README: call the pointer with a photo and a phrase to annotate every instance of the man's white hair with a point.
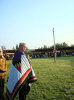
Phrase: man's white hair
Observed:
(21, 44)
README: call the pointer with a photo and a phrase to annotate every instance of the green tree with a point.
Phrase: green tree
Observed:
(16, 46)
(72, 45)
(45, 47)
(13, 48)
(64, 44)
(60, 45)
(3, 47)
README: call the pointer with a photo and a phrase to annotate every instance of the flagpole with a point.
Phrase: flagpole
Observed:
(54, 47)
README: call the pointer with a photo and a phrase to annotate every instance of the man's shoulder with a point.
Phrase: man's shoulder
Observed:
(18, 52)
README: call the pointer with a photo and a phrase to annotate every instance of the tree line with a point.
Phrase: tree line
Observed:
(58, 45)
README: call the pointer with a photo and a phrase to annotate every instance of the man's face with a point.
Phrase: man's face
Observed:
(23, 48)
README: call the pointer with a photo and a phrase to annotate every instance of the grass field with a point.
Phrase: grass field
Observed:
(55, 80)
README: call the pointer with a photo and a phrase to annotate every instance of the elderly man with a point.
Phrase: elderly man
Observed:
(21, 74)
(3, 69)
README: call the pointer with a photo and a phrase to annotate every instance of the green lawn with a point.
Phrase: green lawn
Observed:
(55, 80)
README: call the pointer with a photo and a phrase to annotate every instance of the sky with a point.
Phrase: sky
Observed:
(32, 21)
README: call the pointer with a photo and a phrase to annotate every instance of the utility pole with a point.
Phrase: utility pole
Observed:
(54, 47)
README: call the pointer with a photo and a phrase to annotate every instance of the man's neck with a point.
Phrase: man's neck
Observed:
(21, 50)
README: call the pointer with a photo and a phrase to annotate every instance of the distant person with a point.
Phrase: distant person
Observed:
(21, 75)
(3, 70)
